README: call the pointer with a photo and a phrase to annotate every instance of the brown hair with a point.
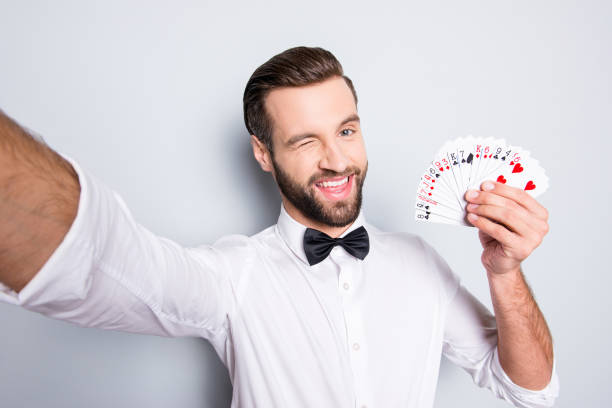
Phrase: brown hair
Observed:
(297, 66)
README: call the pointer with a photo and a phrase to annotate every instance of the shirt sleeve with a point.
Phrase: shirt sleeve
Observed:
(470, 341)
(112, 273)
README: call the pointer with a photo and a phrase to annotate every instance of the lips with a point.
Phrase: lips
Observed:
(337, 188)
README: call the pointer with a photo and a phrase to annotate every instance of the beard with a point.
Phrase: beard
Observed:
(338, 214)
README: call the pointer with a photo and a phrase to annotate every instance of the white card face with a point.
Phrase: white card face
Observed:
(463, 164)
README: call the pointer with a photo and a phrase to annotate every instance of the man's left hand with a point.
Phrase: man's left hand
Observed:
(511, 224)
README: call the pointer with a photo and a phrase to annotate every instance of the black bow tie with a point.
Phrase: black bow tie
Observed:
(317, 245)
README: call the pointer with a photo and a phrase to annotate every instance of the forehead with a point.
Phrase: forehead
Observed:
(309, 108)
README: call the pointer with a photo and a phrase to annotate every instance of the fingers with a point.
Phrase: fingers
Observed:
(497, 231)
(511, 218)
(508, 206)
(485, 197)
(515, 245)
(521, 197)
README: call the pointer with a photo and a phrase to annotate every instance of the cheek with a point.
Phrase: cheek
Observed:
(358, 154)
(299, 166)
(304, 169)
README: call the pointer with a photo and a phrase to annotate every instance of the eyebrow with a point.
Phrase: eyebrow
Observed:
(294, 139)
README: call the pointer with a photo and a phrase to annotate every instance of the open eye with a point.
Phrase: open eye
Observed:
(343, 132)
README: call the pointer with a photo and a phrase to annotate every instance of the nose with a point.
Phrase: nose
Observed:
(334, 158)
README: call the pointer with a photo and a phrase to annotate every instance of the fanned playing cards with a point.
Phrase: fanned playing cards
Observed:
(463, 164)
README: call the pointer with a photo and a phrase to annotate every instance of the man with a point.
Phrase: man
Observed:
(320, 310)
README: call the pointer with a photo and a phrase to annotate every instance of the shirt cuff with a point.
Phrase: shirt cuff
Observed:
(532, 398)
(61, 265)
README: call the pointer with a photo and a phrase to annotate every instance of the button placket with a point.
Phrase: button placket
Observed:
(345, 277)
(349, 268)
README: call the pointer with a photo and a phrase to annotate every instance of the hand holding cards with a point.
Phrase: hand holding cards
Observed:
(465, 163)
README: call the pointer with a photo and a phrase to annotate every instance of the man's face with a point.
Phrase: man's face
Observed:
(319, 159)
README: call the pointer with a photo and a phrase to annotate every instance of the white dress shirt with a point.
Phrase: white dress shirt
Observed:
(344, 333)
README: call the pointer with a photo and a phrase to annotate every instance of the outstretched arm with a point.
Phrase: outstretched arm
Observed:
(39, 196)
(70, 249)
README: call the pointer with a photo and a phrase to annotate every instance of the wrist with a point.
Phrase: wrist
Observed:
(511, 274)
(508, 290)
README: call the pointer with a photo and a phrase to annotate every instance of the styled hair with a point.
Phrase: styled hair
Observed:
(297, 66)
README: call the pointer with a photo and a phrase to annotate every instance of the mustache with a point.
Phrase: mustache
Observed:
(329, 174)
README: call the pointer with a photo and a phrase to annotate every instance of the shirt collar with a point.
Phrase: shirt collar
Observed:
(292, 231)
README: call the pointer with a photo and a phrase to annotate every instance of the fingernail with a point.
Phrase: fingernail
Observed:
(472, 217)
(488, 186)
(471, 207)
(472, 194)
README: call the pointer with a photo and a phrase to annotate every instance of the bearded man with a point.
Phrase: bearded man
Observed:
(321, 309)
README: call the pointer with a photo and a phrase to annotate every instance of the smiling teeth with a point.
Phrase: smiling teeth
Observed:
(333, 183)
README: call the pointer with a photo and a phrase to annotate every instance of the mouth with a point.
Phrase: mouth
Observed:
(336, 188)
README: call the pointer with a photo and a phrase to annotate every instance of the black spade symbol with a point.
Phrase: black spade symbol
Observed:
(427, 207)
(470, 158)
(463, 161)
(437, 175)
(455, 163)
(503, 158)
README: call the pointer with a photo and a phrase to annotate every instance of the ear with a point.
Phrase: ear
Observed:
(261, 153)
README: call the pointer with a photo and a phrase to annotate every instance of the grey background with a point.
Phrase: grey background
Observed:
(147, 96)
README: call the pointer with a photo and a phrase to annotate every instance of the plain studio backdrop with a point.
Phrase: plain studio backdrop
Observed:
(147, 95)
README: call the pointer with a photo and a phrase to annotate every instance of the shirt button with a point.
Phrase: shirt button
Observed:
(346, 285)
(355, 346)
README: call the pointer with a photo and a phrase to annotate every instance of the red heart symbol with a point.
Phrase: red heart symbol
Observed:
(517, 168)
(501, 179)
(530, 185)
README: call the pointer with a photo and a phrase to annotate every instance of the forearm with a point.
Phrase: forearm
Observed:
(39, 195)
(524, 341)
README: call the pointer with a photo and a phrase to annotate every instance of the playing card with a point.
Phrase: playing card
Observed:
(463, 164)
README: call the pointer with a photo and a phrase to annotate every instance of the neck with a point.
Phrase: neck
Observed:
(333, 232)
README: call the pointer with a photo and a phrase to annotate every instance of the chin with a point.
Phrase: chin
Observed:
(339, 213)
